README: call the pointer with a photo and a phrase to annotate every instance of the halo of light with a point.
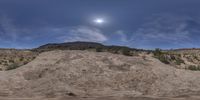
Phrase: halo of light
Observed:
(99, 20)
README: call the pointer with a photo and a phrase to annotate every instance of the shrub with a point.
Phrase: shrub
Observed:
(99, 49)
(160, 56)
(13, 66)
(179, 61)
(163, 59)
(11, 61)
(195, 57)
(168, 58)
(21, 59)
(126, 52)
(157, 52)
(194, 68)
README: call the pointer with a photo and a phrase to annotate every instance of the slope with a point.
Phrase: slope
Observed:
(88, 74)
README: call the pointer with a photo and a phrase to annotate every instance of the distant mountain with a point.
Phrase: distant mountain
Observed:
(71, 46)
(87, 46)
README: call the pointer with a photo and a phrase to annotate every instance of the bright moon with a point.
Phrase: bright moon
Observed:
(99, 21)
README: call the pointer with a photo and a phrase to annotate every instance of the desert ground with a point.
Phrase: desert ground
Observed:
(88, 75)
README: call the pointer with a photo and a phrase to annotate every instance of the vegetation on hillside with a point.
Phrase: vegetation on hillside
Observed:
(194, 68)
(168, 58)
(12, 59)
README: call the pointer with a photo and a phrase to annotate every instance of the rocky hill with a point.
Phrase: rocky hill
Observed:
(188, 59)
(97, 74)
(88, 71)
(13, 58)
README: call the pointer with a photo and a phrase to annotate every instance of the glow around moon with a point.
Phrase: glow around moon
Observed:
(99, 21)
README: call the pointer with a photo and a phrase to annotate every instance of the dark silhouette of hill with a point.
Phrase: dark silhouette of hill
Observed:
(88, 46)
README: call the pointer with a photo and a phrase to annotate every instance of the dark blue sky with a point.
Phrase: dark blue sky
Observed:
(136, 23)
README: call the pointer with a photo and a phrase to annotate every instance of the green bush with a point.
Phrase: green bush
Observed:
(194, 68)
(161, 56)
(13, 66)
(179, 61)
(158, 52)
(21, 59)
(126, 52)
(168, 58)
(163, 59)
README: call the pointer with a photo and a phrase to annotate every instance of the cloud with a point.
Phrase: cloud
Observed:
(122, 35)
(168, 29)
(7, 29)
(84, 33)
(163, 31)
(19, 37)
(10, 33)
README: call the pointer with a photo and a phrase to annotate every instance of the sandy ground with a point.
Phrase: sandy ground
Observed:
(108, 98)
(99, 76)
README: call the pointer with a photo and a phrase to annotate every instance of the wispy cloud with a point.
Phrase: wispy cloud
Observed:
(10, 34)
(17, 37)
(122, 36)
(167, 28)
(163, 30)
(7, 29)
(81, 33)
(158, 31)
(84, 33)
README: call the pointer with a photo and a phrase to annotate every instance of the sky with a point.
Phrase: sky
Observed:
(145, 24)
